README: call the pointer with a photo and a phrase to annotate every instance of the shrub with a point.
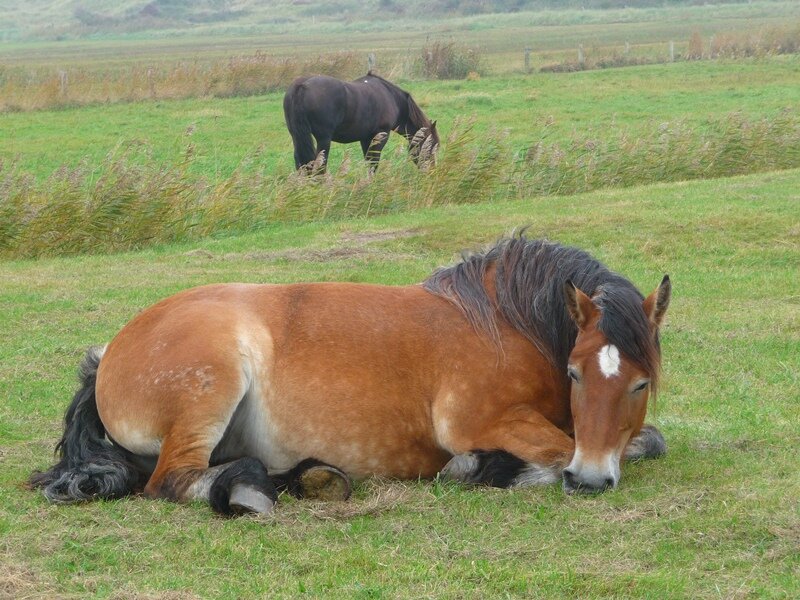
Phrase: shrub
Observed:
(695, 51)
(448, 60)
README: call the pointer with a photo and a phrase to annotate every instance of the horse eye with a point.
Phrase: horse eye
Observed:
(641, 386)
(573, 374)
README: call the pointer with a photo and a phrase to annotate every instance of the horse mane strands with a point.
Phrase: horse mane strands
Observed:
(415, 115)
(529, 283)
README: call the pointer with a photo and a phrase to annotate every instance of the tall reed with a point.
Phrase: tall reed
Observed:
(131, 201)
(29, 88)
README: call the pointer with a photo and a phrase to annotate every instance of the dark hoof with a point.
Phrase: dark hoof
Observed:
(323, 482)
(648, 444)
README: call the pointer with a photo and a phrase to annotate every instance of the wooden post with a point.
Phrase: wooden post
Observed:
(527, 59)
(62, 80)
(581, 58)
(370, 61)
(671, 51)
(150, 83)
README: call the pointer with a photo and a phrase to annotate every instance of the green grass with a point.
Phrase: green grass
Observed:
(718, 517)
(118, 177)
(550, 107)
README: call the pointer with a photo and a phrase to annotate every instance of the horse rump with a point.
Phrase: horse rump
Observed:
(294, 112)
(90, 466)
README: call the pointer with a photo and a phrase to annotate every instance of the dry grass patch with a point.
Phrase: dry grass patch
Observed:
(37, 88)
(18, 582)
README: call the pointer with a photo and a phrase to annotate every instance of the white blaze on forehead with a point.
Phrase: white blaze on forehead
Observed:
(609, 360)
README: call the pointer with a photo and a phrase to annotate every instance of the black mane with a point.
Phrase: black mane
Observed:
(529, 279)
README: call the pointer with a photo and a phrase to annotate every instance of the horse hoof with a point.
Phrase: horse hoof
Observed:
(648, 444)
(246, 499)
(323, 482)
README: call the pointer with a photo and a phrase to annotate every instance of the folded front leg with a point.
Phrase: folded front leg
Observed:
(520, 450)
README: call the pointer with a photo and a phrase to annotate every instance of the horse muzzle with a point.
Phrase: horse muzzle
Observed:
(581, 484)
(583, 477)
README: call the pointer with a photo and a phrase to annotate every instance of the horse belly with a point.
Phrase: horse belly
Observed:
(361, 440)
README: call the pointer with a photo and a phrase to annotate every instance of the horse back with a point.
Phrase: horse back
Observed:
(354, 375)
(343, 111)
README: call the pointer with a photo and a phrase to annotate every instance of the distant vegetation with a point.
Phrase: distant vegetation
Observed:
(27, 88)
(132, 196)
(70, 19)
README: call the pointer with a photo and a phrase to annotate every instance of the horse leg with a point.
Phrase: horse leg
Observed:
(648, 444)
(182, 474)
(520, 450)
(373, 147)
(323, 148)
(298, 158)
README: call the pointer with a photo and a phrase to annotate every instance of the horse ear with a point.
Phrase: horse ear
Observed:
(655, 305)
(580, 306)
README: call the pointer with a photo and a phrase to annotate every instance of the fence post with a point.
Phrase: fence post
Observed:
(627, 48)
(370, 61)
(62, 81)
(671, 51)
(150, 83)
(527, 59)
(581, 58)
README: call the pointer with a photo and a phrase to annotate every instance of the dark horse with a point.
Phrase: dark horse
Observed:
(364, 110)
(521, 366)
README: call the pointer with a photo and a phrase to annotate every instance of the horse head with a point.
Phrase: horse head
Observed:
(610, 382)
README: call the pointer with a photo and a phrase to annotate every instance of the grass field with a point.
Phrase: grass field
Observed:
(539, 107)
(718, 517)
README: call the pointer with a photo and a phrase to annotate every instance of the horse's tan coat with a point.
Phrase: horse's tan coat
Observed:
(376, 380)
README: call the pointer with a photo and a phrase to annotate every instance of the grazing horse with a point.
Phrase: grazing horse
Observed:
(364, 110)
(523, 365)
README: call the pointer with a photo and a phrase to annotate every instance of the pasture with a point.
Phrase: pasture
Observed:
(594, 105)
(718, 517)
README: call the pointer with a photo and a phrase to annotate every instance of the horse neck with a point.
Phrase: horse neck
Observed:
(415, 119)
(411, 127)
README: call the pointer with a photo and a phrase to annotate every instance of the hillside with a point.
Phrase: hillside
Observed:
(76, 19)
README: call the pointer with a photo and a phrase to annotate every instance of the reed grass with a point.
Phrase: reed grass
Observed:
(760, 43)
(671, 151)
(34, 88)
(131, 201)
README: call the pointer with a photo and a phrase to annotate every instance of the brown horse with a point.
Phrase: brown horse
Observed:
(523, 365)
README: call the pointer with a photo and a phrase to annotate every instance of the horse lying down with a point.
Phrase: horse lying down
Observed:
(528, 364)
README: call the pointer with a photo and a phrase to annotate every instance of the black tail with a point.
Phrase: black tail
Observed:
(298, 125)
(91, 466)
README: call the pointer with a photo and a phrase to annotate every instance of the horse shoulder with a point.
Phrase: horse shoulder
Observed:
(487, 385)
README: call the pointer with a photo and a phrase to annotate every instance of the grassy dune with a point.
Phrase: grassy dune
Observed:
(718, 517)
